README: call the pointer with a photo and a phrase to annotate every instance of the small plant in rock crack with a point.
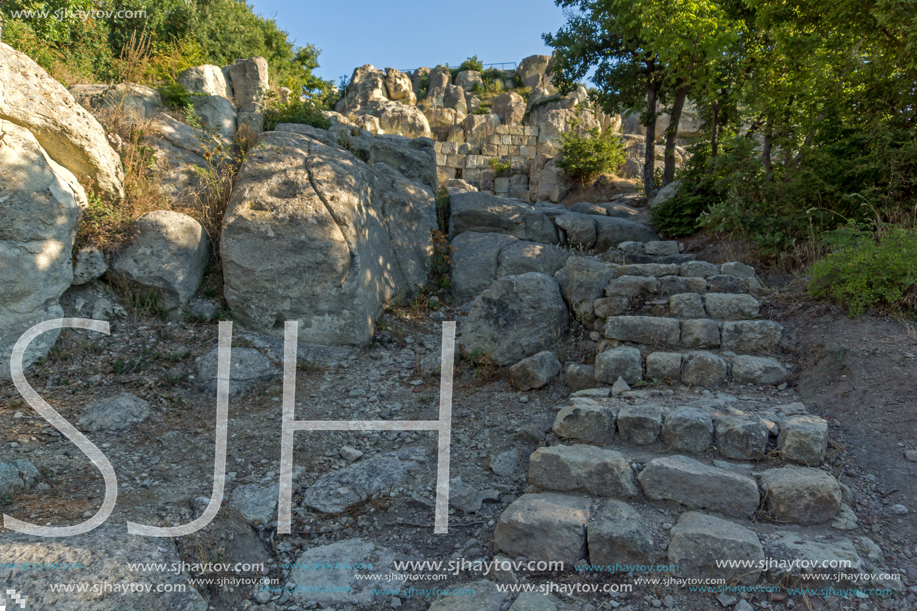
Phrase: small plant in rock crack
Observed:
(502, 168)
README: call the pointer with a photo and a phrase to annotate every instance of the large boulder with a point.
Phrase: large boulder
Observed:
(40, 204)
(313, 234)
(401, 119)
(583, 280)
(485, 213)
(510, 107)
(106, 555)
(190, 164)
(517, 317)
(249, 80)
(218, 114)
(469, 80)
(478, 128)
(533, 70)
(545, 526)
(367, 84)
(127, 99)
(207, 80)
(474, 262)
(399, 86)
(65, 130)
(165, 259)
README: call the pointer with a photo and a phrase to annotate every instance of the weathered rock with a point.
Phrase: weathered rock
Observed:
(206, 79)
(218, 114)
(336, 263)
(88, 264)
(666, 193)
(801, 495)
(647, 269)
(336, 491)
(516, 317)
(739, 270)
(256, 503)
(399, 86)
(188, 162)
(803, 440)
(692, 483)
(533, 69)
(68, 133)
(486, 213)
(611, 231)
(582, 468)
(249, 80)
(523, 257)
(486, 597)
(579, 376)
(698, 269)
(115, 413)
(127, 100)
(579, 230)
(535, 371)
(166, 258)
(740, 437)
(631, 286)
(620, 362)
(667, 248)
(510, 107)
(756, 370)
(247, 368)
(480, 127)
(662, 365)
(548, 184)
(531, 601)
(672, 285)
(639, 423)
(688, 429)
(504, 464)
(700, 333)
(687, 305)
(469, 79)
(469, 499)
(545, 526)
(798, 559)
(454, 97)
(703, 369)
(644, 330)
(582, 281)
(586, 420)
(751, 335)
(337, 582)
(699, 541)
(40, 204)
(367, 85)
(475, 258)
(552, 123)
(619, 536)
(15, 476)
(730, 307)
(611, 306)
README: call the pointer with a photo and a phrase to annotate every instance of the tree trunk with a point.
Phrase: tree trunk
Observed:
(714, 137)
(766, 151)
(649, 156)
(674, 118)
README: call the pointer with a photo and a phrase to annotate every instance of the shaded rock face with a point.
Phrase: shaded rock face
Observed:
(132, 101)
(314, 234)
(249, 81)
(40, 204)
(64, 129)
(207, 79)
(517, 317)
(167, 257)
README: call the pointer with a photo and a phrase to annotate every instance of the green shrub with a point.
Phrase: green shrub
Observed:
(866, 269)
(590, 153)
(472, 63)
(295, 111)
(500, 167)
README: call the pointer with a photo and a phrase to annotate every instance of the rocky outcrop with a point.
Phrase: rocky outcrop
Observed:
(368, 94)
(129, 100)
(65, 130)
(165, 259)
(249, 81)
(187, 161)
(207, 80)
(40, 204)
(314, 234)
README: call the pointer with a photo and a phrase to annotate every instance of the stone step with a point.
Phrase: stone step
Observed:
(693, 368)
(749, 336)
(787, 431)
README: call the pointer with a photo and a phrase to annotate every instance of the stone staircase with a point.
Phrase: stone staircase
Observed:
(648, 478)
(693, 322)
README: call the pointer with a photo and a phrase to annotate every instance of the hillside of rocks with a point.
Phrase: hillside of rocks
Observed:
(618, 398)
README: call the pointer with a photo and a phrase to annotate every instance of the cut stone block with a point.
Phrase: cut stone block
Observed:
(740, 438)
(698, 269)
(688, 429)
(644, 330)
(535, 372)
(703, 369)
(757, 370)
(699, 541)
(618, 535)
(582, 468)
(687, 305)
(731, 307)
(700, 333)
(586, 420)
(662, 365)
(801, 495)
(545, 526)
(696, 485)
(803, 440)
(751, 335)
(620, 362)
(639, 424)
(631, 286)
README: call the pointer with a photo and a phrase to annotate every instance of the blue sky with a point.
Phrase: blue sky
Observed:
(413, 33)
